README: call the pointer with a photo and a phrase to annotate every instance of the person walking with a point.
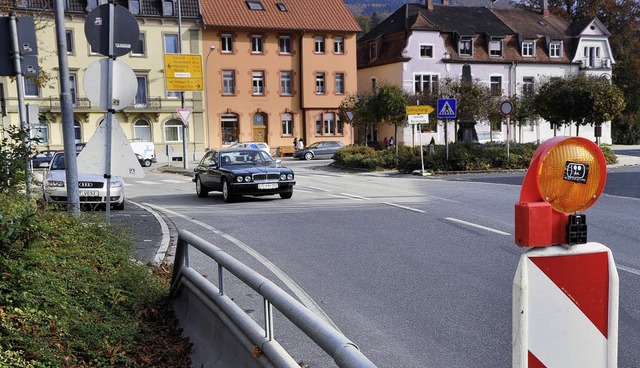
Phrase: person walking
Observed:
(391, 141)
(386, 142)
(300, 144)
(295, 143)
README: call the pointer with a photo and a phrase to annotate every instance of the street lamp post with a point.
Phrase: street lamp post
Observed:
(206, 94)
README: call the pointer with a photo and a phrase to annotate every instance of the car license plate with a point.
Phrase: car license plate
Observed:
(89, 193)
(268, 186)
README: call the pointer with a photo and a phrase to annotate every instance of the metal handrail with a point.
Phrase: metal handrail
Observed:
(344, 352)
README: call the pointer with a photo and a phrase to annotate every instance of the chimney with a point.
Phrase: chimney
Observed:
(430, 5)
(545, 8)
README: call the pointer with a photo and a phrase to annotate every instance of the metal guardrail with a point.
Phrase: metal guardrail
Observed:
(344, 352)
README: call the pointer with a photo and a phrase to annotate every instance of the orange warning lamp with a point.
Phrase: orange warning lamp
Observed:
(566, 176)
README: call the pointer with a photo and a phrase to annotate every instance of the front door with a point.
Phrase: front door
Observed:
(259, 128)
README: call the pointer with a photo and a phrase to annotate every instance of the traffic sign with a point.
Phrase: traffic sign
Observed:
(184, 115)
(418, 109)
(418, 119)
(124, 87)
(126, 32)
(447, 108)
(506, 108)
(183, 72)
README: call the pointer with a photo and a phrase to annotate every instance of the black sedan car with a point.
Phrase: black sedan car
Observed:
(244, 171)
(324, 149)
(42, 158)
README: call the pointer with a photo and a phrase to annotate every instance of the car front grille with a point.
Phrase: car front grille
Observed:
(266, 177)
(90, 184)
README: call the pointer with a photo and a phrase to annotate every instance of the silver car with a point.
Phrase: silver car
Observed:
(93, 188)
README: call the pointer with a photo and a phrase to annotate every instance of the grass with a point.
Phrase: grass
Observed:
(70, 296)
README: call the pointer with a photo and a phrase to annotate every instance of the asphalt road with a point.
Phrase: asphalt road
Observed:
(417, 271)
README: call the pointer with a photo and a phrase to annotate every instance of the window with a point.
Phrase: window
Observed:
(31, 88)
(338, 45)
(258, 82)
(320, 83)
(141, 94)
(138, 49)
(77, 131)
(256, 44)
(555, 49)
(527, 86)
(426, 51)
(496, 86)
(495, 48)
(327, 124)
(255, 5)
(527, 48)
(373, 51)
(173, 94)
(173, 131)
(40, 131)
(592, 56)
(229, 128)
(287, 124)
(465, 47)
(171, 44)
(73, 85)
(285, 83)
(425, 83)
(281, 7)
(167, 7)
(339, 83)
(134, 6)
(92, 4)
(226, 43)
(142, 130)
(228, 82)
(319, 43)
(69, 38)
(285, 44)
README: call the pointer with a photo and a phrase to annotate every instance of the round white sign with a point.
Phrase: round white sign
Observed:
(124, 84)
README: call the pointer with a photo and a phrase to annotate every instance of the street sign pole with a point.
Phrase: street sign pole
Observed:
(185, 164)
(446, 138)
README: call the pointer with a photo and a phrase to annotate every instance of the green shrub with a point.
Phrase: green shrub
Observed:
(73, 295)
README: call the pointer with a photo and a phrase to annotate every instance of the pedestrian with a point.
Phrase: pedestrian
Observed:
(391, 141)
(386, 142)
(300, 144)
(295, 143)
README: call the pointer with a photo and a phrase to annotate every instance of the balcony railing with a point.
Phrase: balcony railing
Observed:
(595, 63)
(82, 104)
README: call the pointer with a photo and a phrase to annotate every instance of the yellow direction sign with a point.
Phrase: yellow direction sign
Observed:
(183, 72)
(419, 109)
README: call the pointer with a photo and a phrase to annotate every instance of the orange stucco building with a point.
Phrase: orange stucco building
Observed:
(275, 71)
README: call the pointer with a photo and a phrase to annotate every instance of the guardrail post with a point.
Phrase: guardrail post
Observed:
(268, 320)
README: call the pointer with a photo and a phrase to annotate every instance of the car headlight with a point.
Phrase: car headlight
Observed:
(289, 176)
(55, 183)
(116, 184)
(283, 176)
(239, 179)
(247, 178)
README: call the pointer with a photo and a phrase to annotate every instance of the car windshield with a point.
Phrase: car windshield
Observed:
(245, 157)
(57, 163)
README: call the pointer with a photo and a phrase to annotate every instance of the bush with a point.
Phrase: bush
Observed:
(69, 293)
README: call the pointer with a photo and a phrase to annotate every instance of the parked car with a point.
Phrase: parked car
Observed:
(242, 171)
(324, 149)
(259, 145)
(93, 188)
(484, 137)
(144, 162)
(42, 158)
(146, 153)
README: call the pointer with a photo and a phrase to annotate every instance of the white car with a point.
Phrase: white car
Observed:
(92, 188)
(259, 145)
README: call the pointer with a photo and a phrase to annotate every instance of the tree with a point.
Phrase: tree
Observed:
(386, 104)
(473, 99)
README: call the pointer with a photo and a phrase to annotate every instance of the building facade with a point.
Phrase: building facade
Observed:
(510, 50)
(153, 115)
(276, 71)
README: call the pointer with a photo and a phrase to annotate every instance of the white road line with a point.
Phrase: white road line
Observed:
(629, 269)
(297, 290)
(344, 196)
(303, 191)
(316, 188)
(445, 199)
(404, 207)
(175, 181)
(146, 182)
(355, 196)
(476, 226)
(165, 242)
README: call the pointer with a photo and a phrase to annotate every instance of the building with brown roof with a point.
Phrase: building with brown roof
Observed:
(510, 50)
(276, 71)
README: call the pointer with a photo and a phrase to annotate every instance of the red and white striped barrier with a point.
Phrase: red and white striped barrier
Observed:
(565, 308)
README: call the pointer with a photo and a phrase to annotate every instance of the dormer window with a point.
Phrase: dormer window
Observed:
(465, 47)
(134, 6)
(167, 7)
(255, 5)
(281, 7)
(495, 47)
(91, 4)
(555, 49)
(528, 48)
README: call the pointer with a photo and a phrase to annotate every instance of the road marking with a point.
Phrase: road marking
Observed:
(175, 181)
(345, 196)
(355, 196)
(292, 285)
(319, 189)
(146, 182)
(629, 269)
(445, 199)
(165, 242)
(476, 226)
(404, 207)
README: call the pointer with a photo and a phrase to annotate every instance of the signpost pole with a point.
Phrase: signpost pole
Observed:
(446, 138)
(110, 111)
(185, 164)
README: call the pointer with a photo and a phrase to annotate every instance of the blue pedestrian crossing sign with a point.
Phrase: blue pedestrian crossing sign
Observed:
(447, 108)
